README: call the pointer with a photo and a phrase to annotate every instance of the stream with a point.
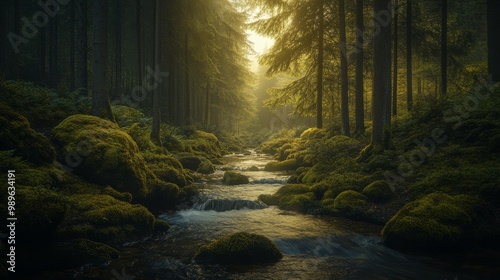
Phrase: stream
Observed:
(314, 247)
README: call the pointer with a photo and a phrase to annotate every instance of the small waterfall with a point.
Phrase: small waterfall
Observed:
(270, 181)
(221, 205)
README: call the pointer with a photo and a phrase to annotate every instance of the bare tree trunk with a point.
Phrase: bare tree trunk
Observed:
(360, 28)
(155, 131)
(319, 84)
(118, 48)
(53, 65)
(409, 42)
(343, 71)
(42, 57)
(138, 42)
(187, 92)
(100, 96)
(82, 63)
(3, 35)
(395, 62)
(381, 77)
(444, 48)
(493, 40)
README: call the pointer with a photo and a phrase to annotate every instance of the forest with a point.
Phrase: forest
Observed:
(250, 139)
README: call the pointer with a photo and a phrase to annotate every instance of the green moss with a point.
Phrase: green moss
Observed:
(80, 252)
(240, 247)
(378, 191)
(16, 134)
(39, 214)
(162, 196)
(314, 133)
(434, 223)
(126, 116)
(292, 190)
(233, 178)
(299, 202)
(189, 161)
(27, 173)
(206, 167)
(126, 197)
(289, 164)
(351, 204)
(104, 219)
(161, 226)
(269, 199)
(104, 154)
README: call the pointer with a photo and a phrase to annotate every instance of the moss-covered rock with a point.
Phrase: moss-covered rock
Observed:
(351, 204)
(434, 223)
(126, 116)
(206, 167)
(16, 134)
(162, 196)
(233, 178)
(80, 252)
(240, 248)
(288, 164)
(299, 202)
(253, 168)
(104, 219)
(189, 161)
(102, 153)
(126, 197)
(269, 199)
(39, 214)
(161, 226)
(378, 191)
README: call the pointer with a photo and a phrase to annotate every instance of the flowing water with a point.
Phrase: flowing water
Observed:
(314, 247)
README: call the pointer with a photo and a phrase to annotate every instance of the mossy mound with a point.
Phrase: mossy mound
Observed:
(436, 222)
(126, 116)
(288, 164)
(104, 219)
(378, 191)
(126, 197)
(16, 134)
(206, 167)
(189, 161)
(240, 248)
(81, 251)
(162, 196)
(202, 144)
(351, 204)
(39, 215)
(102, 153)
(233, 178)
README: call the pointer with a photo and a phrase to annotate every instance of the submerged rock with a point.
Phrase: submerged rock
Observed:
(221, 205)
(233, 178)
(206, 167)
(241, 248)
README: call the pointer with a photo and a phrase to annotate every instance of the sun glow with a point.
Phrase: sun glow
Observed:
(260, 44)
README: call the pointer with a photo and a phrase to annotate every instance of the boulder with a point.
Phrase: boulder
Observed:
(240, 248)
(233, 178)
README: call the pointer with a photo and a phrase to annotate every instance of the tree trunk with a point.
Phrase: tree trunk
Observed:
(207, 106)
(395, 61)
(100, 97)
(444, 48)
(42, 57)
(14, 69)
(409, 42)
(138, 42)
(381, 78)
(187, 92)
(82, 63)
(72, 46)
(343, 71)
(155, 131)
(319, 84)
(53, 67)
(118, 49)
(360, 29)
(3, 35)
(493, 40)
